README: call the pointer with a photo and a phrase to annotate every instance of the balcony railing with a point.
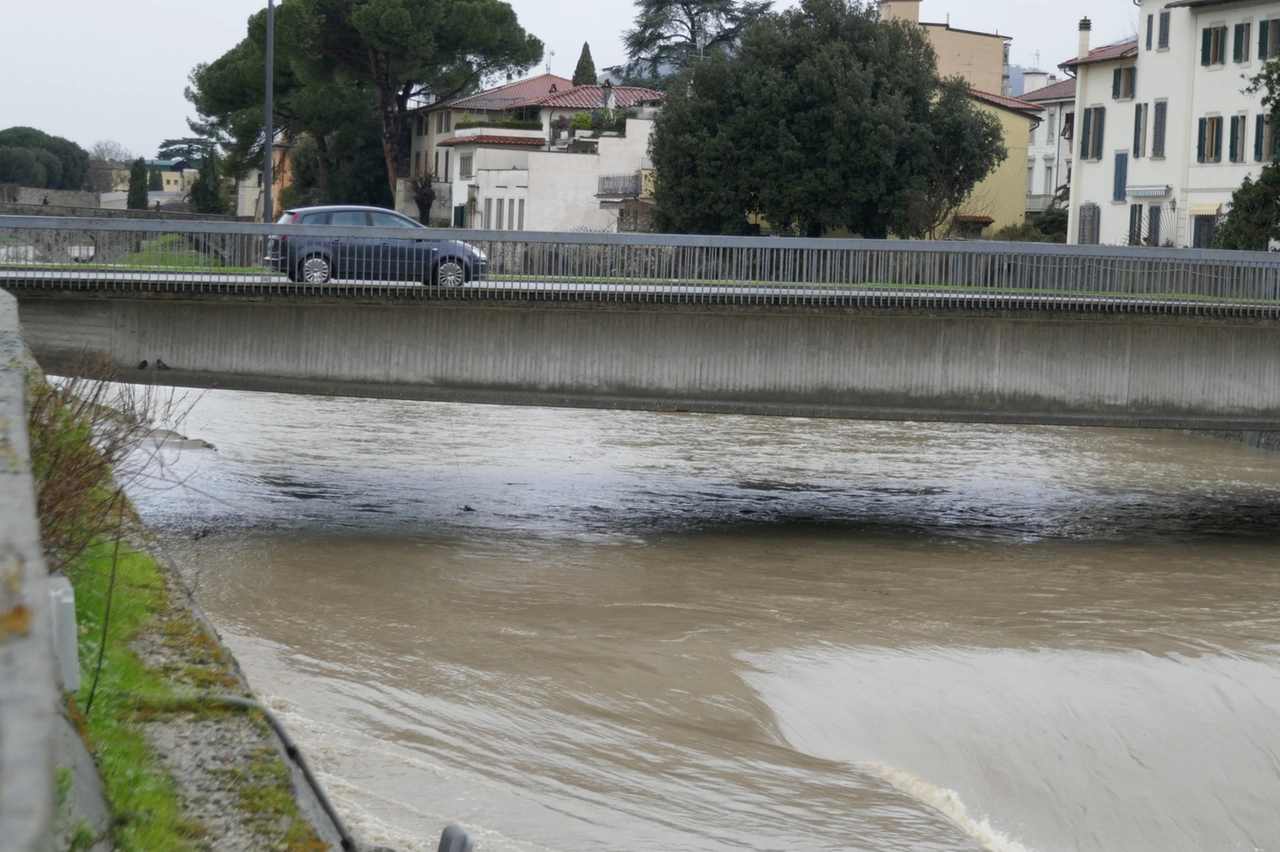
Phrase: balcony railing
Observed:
(619, 186)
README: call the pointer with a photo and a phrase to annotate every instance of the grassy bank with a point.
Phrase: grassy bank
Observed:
(145, 656)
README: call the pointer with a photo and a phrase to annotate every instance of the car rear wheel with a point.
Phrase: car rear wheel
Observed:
(314, 269)
(450, 272)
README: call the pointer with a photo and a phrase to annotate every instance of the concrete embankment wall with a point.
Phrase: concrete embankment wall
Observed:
(1165, 371)
(28, 694)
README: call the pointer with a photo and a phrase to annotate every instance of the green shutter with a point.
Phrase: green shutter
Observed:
(1115, 83)
(1264, 39)
(1257, 140)
(1206, 46)
(1217, 141)
(1085, 132)
(1098, 124)
(1204, 134)
(1235, 137)
(1237, 51)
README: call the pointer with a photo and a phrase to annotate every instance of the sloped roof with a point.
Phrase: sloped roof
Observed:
(591, 97)
(533, 142)
(1011, 104)
(1107, 53)
(1063, 90)
(520, 93)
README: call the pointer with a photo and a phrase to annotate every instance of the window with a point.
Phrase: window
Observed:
(1089, 224)
(1032, 139)
(488, 213)
(1091, 133)
(1053, 126)
(1049, 188)
(1151, 25)
(1213, 46)
(1209, 147)
(1163, 41)
(1153, 225)
(1202, 231)
(498, 204)
(1265, 143)
(417, 163)
(1158, 128)
(1069, 126)
(350, 217)
(1140, 130)
(437, 171)
(1268, 40)
(439, 122)
(390, 220)
(511, 214)
(520, 220)
(1135, 224)
(448, 175)
(448, 122)
(1240, 46)
(1121, 176)
(1239, 132)
(1031, 180)
(464, 166)
(1124, 83)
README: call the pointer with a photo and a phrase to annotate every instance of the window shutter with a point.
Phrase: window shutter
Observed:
(1235, 137)
(1157, 142)
(1257, 140)
(1085, 135)
(1275, 140)
(1217, 141)
(1204, 127)
(1206, 46)
(1137, 130)
(1133, 82)
(1098, 122)
(1121, 177)
(1115, 83)
(1222, 45)
(1264, 39)
(1237, 52)
(1164, 30)
(1151, 25)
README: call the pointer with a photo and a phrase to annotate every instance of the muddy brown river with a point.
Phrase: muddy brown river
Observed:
(584, 630)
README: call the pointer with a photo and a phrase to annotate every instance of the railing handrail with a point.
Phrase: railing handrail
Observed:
(977, 247)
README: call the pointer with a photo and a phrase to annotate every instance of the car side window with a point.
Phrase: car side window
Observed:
(314, 219)
(390, 220)
(350, 217)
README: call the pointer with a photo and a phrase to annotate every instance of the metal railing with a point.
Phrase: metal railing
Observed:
(624, 185)
(125, 256)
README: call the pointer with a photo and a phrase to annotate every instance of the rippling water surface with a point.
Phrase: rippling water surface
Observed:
(581, 630)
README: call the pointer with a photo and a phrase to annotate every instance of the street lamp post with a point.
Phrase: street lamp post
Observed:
(268, 210)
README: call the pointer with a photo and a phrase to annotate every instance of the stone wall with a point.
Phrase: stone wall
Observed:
(96, 212)
(28, 692)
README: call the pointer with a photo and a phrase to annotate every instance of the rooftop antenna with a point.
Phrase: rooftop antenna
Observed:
(549, 58)
(1037, 65)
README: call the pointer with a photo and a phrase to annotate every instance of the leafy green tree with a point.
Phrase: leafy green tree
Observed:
(1253, 219)
(193, 149)
(137, 198)
(208, 193)
(670, 35)
(825, 118)
(72, 171)
(20, 166)
(585, 73)
(155, 180)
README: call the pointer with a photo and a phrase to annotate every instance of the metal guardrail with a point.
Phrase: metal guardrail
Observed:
(121, 255)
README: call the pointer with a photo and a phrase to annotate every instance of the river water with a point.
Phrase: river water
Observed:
(585, 630)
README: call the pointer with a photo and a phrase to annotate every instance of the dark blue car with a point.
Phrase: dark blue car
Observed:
(417, 256)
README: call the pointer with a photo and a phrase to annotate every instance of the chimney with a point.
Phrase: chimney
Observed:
(1034, 80)
(606, 95)
(1086, 26)
(509, 77)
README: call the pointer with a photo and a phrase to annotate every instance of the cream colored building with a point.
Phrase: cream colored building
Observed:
(1000, 199)
(980, 58)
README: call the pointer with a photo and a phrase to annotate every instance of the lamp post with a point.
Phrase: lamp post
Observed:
(268, 210)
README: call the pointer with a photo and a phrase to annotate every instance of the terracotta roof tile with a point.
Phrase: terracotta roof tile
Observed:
(1107, 53)
(592, 97)
(531, 141)
(512, 95)
(1062, 91)
(1011, 104)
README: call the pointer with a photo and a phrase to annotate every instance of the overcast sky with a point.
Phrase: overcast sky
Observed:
(115, 69)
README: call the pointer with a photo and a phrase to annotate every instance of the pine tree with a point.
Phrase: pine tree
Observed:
(206, 192)
(155, 182)
(585, 73)
(137, 199)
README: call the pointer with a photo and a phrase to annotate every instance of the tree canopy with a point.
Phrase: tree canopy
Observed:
(137, 197)
(824, 118)
(1252, 220)
(670, 35)
(208, 193)
(193, 149)
(33, 158)
(585, 72)
(345, 66)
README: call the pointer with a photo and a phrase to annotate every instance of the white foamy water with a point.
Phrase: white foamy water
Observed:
(575, 631)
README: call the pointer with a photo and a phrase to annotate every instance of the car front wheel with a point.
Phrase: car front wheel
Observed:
(450, 272)
(314, 269)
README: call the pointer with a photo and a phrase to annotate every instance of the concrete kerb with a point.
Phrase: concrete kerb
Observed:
(28, 685)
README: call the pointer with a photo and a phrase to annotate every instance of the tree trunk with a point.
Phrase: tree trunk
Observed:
(394, 138)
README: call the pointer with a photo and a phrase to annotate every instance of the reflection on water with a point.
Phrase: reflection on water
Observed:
(576, 630)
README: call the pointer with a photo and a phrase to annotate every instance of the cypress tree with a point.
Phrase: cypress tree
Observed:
(137, 199)
(155, 182)
(585, 73)
(206, 192)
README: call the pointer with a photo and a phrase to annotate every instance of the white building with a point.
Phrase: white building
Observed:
(508, 159)
(1164, 130)
(1049, 155)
